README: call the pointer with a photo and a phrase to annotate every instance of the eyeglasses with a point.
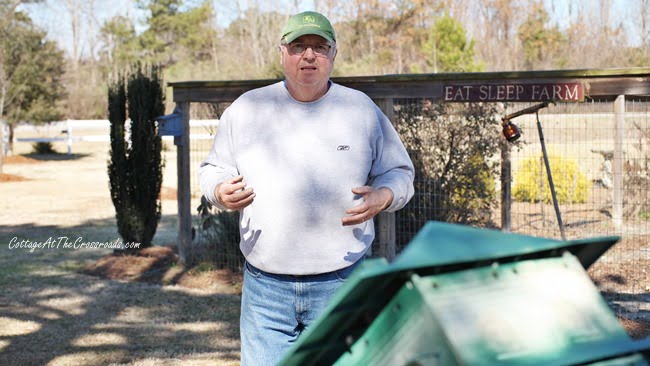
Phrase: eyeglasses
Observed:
(300, 48)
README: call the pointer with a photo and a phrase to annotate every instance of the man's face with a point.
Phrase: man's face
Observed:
(308, 61)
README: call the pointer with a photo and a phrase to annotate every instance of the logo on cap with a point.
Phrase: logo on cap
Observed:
(308, 19)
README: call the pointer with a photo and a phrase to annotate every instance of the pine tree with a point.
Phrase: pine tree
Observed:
(31, 70)
(449, 49)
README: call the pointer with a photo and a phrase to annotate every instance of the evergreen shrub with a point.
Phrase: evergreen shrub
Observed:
(43, 148)
(135, 165)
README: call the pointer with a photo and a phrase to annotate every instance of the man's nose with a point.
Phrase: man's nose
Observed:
(309, 53)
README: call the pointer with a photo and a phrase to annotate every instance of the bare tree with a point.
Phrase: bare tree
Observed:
(74, 8)
(256, 32)
(644, 23)
(92, 34)
(498, 44)
(604, 8)
(214, 45)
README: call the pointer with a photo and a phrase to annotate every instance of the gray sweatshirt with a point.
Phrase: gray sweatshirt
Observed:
(302, 161)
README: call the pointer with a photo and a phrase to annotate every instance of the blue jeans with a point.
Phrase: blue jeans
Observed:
(276, 309)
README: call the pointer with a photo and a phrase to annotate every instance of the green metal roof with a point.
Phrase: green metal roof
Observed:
(437, 249)
(440, 244)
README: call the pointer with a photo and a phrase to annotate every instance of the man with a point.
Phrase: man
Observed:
(308, 163)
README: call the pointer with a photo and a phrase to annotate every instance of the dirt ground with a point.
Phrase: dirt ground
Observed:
(85, 306)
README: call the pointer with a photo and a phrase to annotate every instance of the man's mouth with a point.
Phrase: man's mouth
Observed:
(308, 68)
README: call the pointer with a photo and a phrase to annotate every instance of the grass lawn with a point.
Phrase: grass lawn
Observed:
(52, 313)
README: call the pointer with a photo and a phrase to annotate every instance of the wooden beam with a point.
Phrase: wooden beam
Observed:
(506, 188)
(597, 85)
(617, 163)
(442, 77)
(184, 194)
(386, 220)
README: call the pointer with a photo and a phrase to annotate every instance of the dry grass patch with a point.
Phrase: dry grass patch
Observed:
(167, 193)
(159, 265)
(16, 327)
(115, 322)
(140, 266)
(19, 159)
(636, 328)
(11, 178)
(53, 314)
(193, 360)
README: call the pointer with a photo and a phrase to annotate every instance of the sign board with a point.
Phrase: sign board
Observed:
(525, 92)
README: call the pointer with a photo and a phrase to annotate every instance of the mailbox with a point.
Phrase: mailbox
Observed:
(465, 296)
(171, 124)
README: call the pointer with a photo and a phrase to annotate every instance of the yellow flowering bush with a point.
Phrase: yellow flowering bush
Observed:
(571, 185)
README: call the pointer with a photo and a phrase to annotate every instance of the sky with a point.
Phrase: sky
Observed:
(52, 16)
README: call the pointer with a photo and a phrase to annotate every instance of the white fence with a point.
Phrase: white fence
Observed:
(94, 131)
(4, 139)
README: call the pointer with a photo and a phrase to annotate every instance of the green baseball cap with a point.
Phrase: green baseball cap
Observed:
(308, 22)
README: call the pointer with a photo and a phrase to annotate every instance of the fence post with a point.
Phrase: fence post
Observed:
(617, 163)
(386, 220)
(69, 129)
(184, 194)
(506, 188)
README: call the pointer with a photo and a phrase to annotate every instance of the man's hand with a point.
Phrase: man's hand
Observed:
(374, 201)
(233, 193)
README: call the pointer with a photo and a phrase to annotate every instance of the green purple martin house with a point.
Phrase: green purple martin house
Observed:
(465, 296)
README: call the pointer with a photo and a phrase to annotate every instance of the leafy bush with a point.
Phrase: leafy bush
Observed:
(216, 238)
(135, 167)
(636, 176)
(571, 185)
(451, 146)
(43, 148)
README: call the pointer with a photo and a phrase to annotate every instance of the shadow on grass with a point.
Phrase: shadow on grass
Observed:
(52, 314)
(81, 320)
(55, 156)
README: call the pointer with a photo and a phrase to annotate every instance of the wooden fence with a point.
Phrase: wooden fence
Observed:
(579, 86)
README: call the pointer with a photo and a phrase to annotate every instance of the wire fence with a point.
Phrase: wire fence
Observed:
(581, 140)
(458, 151)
